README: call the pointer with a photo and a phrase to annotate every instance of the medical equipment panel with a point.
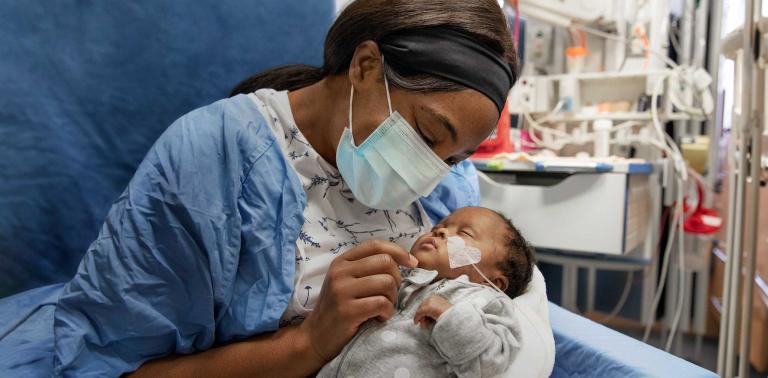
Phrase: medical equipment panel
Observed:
(604, 213)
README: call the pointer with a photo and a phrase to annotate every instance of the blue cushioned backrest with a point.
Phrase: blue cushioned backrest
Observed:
(86, 87)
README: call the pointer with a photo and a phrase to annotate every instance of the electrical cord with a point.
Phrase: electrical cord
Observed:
(681, 267)
(565, 138)
(622, 300)
(673, 151)
(533, 126)
(674, 32)
(681, 171)
(663, 278)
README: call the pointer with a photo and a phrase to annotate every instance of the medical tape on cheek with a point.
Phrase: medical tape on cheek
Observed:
(460, 254)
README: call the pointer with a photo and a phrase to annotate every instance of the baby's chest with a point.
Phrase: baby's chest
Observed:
(411, 296)
(395, 344)
(398, 343)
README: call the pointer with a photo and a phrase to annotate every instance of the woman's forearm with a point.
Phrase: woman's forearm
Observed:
(285, 353)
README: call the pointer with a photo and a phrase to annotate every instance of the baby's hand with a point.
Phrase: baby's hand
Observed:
(431, 309)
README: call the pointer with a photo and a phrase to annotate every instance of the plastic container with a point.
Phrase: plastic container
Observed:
(602, 128)
(575, 59)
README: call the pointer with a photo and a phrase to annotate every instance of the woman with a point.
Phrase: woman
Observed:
(262, 230)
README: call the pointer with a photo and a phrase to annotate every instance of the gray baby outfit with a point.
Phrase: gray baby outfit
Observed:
(477, 337)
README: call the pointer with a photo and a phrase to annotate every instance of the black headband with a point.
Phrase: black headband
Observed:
(451, 55)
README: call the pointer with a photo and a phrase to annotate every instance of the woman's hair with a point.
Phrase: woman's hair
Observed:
(364, 20)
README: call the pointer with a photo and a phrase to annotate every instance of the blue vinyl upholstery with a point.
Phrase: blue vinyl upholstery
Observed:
(87, 86)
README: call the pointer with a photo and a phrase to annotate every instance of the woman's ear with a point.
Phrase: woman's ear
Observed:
(365, 68)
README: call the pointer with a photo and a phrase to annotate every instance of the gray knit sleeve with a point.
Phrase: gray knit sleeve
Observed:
(478, 342)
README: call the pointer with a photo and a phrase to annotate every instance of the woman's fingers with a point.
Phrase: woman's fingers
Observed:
(374, 270)
(378, 307)
(375, 247)
(375, 285)
(371, 265)
(360, 284)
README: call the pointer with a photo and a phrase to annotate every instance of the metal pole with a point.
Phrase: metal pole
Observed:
(751, 251)
(591, 284)
(686, 42)
(714, 132)
(700, 33)
(744, 124)
(650, 247)
(755, 133)
(659, 31)
(730, 238)
(703, 249)
(735, 253)
(700, 48)
(713, 65)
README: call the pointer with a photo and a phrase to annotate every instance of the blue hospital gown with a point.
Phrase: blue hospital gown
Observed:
(197, 251)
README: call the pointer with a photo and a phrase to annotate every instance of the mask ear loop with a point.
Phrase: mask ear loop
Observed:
(487, 280)
(386, 85)
(352, 95)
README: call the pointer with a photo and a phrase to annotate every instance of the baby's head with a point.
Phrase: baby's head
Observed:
(506, 257)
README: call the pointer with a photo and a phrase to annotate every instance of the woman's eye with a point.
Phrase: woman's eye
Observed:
(467, 233)
(429, 142)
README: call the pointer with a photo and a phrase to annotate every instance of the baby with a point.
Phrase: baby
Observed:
(454, 314)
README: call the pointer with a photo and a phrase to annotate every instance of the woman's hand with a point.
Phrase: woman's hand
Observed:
(430, 310)
(360, 284)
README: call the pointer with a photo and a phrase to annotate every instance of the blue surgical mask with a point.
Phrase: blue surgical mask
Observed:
(393, 167)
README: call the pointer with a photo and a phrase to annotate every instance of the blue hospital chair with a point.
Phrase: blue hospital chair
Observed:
(86, 87)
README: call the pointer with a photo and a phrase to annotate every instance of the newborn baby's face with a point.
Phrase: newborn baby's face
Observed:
(480, 228)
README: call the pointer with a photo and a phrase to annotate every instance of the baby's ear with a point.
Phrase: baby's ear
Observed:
(501, 281)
